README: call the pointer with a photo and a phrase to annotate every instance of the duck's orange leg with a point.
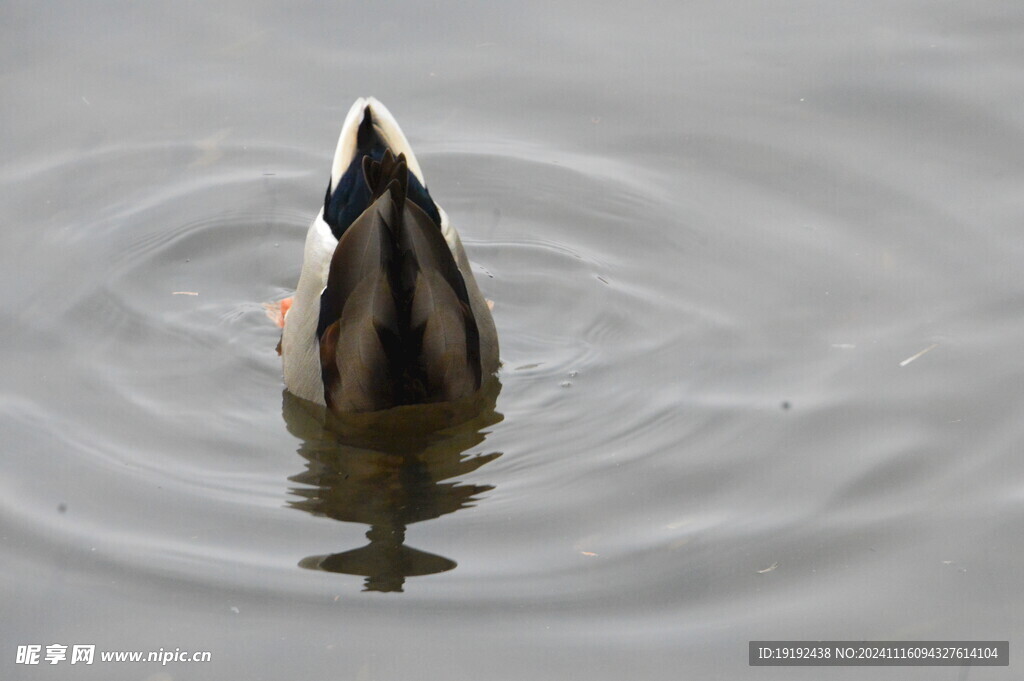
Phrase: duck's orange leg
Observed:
(277, 310)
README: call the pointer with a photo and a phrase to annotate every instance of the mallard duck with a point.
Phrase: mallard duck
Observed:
(387, 311)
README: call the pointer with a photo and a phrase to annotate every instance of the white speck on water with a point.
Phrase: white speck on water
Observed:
(908, 360)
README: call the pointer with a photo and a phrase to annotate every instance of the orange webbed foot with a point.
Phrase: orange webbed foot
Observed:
(277, 310)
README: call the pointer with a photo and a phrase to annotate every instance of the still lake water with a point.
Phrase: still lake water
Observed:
(714, 233)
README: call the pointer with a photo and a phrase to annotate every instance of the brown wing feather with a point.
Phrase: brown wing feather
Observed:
(360, 307)
(450, 352)
(354, 360)
(444, 352)
(364, 250)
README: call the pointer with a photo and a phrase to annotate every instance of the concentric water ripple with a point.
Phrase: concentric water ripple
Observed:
(184, 397)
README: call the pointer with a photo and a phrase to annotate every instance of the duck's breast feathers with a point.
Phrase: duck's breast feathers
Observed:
(369, 131)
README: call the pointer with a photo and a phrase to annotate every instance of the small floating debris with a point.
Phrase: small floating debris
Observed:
(908, 360)
(184, 293)
(566, 384)
(769, 568)
(587, 553)
(210, 149)
(234, 609)
(602, 279)
(524, 367)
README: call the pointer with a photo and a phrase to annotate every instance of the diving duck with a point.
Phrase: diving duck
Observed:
(386, 312)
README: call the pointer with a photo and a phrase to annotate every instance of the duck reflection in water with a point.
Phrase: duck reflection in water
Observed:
(389, 470)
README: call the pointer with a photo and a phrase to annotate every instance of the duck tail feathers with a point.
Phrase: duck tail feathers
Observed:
(391, 173)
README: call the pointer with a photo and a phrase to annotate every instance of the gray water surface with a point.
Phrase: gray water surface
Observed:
(718, 237)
